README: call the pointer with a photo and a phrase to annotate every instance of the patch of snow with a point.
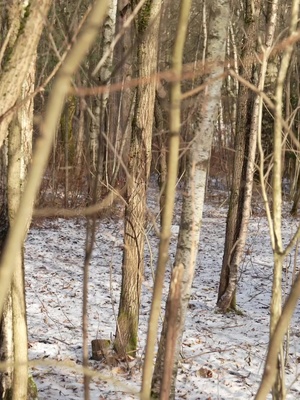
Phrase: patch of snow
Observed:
(222, 355)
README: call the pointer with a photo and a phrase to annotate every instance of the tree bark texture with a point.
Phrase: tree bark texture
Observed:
(6, 348)
(17, 65)
(173, 306)
(109, 29)
(197, 163)
(6, 328)
(278, 392)
(121, 103)
(18, 158)
(243, 167)
(280, 330)
(168, 210)
(139, 169)
(269, 89)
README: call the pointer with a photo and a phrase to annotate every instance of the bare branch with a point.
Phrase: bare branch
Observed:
(44, 143)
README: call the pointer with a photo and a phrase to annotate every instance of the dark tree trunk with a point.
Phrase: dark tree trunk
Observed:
(239, 186)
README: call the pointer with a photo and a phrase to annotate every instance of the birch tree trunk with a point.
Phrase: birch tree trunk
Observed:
(278, 392)
(19, 155)
(14, 339)
(16, 68)
(105, 79)
(99, 139)
(167, 215)
(197, 163)
(139, 169)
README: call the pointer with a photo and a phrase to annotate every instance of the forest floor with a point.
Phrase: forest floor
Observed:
(222, 355)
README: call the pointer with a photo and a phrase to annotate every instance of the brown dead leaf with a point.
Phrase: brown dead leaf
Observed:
(204, 372)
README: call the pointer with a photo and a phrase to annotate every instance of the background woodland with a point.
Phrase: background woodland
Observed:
(100, 98)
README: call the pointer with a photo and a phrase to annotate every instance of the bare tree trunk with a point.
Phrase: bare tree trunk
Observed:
(43, 143)
(13, 324)
(227, 287)
(173, 306)
(244, 159)
(278, 391)
(197, 163)
(105, 78)
(19, 157)
(139, 170)
(6, 327)
(167, 211)
(15, 70)
(6, 346)
(293, 159)
(162, 155)
(80, 140)
(121, 104)
(280, 330)
(94, 136)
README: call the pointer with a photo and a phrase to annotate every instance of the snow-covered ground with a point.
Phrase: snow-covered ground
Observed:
(222, 355)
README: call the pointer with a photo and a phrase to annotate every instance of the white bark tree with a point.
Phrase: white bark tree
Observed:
(279, 392)
(13, 332)
(197, 164)
(19, 156)
(99, 134)
(168, 207)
